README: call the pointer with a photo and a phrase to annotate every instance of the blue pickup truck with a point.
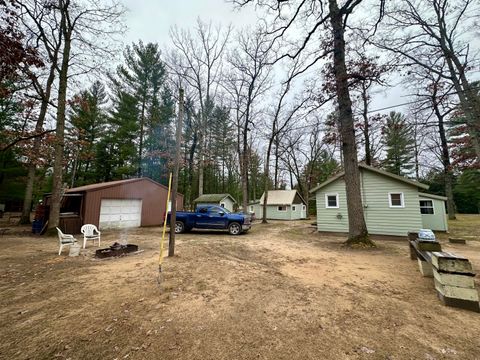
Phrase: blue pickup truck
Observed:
(211, 217)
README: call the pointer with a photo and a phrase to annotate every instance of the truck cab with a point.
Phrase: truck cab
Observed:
(212, 217)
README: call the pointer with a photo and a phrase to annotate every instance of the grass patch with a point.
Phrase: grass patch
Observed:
(466, 226)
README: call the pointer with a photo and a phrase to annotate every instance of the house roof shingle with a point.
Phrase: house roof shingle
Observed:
(373, 169)
(432, 196)
(212, 198)
(281, 197)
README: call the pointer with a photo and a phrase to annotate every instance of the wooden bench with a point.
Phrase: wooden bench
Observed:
(457, 240)
(453, 275)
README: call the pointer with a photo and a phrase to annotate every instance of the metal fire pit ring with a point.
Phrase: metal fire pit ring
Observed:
(115, 250)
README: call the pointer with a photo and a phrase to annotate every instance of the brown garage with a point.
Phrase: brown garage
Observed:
(115, 204)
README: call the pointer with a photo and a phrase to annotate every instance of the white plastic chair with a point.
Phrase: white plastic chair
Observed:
(90, 232)
(65, 239)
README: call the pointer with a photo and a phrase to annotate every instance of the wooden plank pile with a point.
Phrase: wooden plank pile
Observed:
(452, 274)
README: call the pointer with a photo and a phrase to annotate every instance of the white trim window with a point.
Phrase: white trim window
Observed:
(222, 205)
(426, 207)
(331, 201)
(282, 208)
(251, 208)
(294, 207)
(395, 200)
(304, 207)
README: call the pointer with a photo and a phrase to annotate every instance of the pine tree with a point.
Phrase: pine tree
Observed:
(398, 140)
(159, 137)
(143, 77)
(88, 120)
(116, 155)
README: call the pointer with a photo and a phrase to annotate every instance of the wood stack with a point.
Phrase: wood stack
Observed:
(453, 275)
(457, 240)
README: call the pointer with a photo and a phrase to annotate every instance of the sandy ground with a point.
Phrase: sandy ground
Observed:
(282, 291)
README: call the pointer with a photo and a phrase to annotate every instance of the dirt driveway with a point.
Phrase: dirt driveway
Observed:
(280, 292)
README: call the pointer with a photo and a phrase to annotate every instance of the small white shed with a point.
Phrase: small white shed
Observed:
(281, 205)
(224, 200)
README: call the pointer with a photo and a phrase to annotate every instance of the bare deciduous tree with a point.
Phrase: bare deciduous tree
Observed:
(80, 27)
(197, 59)
(332, 19)
(247, 81)
(435, 35)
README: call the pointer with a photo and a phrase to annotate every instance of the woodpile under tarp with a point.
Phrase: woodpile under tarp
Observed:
(452, 274)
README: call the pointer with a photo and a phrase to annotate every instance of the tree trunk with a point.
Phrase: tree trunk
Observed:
(178, 141)
(140, 146)
(266, 176)
(244, 176)
(244, 163)
(357, 228)
(415, 153)
(275, 180)
(366, 127)
(447, 170)
(27, 201)
(57, 190)
(190, 169)
(201, 164)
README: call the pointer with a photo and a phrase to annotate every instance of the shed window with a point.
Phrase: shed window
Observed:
(294, 208)
(251, 208)
(396, 200)
(304, 207)
(426, 207)
(331, 201)
(222, 205)
(282, 208)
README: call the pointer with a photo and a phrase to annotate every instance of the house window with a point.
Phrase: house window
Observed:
(304, 207)
(294, 208)
(222, 205)
(331, 201)
(282, 208)
(426, 207)
(251, 208)
(396, 200)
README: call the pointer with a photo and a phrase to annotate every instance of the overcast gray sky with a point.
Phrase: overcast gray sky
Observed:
(150, 21)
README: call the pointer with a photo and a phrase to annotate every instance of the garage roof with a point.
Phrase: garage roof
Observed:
(98, 186)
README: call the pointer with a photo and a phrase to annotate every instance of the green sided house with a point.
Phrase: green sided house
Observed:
(393, 205)
(224, 200)
(281, 205)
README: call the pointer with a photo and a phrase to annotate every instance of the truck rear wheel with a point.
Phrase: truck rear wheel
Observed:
(234, 228)
(179, 227)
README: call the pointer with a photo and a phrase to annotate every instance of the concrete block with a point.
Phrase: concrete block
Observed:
(459, 280)
(449, 262)
(428, 245)
(425, 268)
(456, 292)
(459, 303)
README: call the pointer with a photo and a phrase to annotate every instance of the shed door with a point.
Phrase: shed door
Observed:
(120, 213)
(304, 211)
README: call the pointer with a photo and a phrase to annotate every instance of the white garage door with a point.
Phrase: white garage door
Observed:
(120, 213)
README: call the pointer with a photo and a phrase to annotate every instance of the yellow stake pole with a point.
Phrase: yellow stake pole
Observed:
(160, 259)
